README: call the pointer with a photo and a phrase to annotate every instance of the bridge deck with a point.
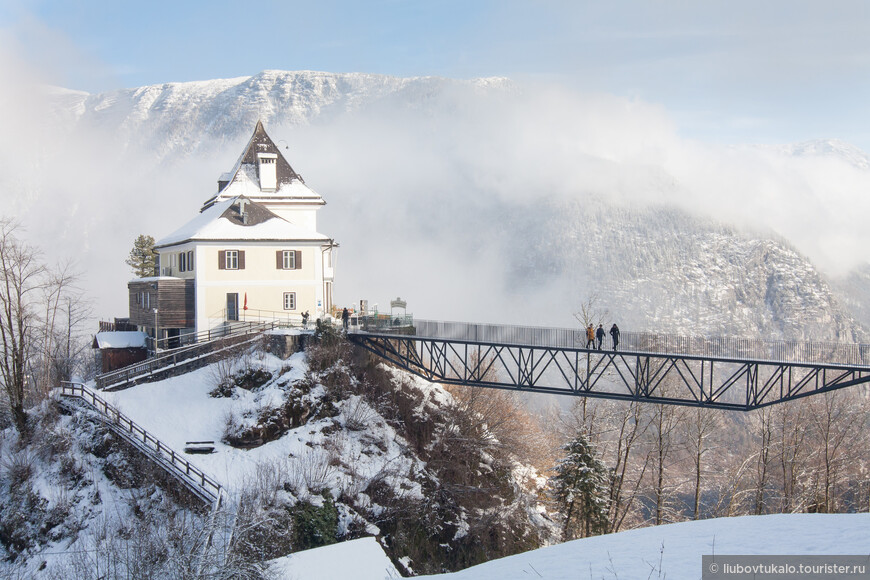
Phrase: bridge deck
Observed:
(724, 373)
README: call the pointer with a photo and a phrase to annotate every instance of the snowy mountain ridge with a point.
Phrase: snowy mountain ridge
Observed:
(176, 116)
(827, 148)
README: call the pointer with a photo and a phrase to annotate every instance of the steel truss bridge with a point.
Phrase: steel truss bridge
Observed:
(719, 373)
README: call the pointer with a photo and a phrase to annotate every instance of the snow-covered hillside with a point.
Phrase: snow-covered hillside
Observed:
(75, 498)
(327, 447)
(310, 450)
(321, 448)
(671, 271)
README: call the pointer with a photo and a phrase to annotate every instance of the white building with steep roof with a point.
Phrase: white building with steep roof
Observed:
(253, 253)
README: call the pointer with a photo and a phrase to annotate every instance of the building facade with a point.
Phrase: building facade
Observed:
(253, 253)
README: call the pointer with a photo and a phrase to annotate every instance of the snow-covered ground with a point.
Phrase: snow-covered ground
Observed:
(675, 550)
(670, 551)
(180, 409)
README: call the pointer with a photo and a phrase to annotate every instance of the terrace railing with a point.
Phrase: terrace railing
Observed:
(701, 346)
(382, 322)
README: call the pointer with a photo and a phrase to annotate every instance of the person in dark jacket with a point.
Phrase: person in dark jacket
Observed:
(614, 334)
(345, 318)
(599, 334)
(590, 336)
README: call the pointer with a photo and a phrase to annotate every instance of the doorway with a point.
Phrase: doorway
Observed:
(232, 305)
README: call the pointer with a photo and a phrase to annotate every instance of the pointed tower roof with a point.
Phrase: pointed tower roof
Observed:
(263, 174)
(261, 143)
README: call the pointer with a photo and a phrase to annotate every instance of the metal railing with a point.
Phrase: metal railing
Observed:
(167, 458)
(216, 341)
(280, 317)
(225, 328)
(714, 347)
(383, 322)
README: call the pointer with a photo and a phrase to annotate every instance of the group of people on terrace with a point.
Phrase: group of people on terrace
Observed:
(592, 335)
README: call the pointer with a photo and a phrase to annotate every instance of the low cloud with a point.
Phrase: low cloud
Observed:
(422, 191)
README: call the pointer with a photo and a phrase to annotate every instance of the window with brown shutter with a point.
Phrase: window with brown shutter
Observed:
(287, 259)
(298, 259)
(231, 260)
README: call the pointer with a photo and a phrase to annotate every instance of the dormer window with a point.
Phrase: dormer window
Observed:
(267, 168)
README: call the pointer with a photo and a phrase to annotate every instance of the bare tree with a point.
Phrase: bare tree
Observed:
(627, 472)
(69, 345)
(31, 298)
(63, 312)
(790, 424)
(21, 275)
(662, 437)
(700, 425)
(835, 422)
(763, 432)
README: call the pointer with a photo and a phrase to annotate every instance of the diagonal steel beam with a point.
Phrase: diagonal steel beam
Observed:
(739, 384)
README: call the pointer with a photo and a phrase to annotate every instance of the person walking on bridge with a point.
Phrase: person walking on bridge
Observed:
(590, 336)
(345, 318)
(599, 334)
(614, 334)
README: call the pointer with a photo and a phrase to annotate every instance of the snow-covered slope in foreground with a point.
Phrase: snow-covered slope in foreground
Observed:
(671, 551)
(675, 550)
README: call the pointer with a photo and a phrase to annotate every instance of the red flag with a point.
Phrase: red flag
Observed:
(246, 302)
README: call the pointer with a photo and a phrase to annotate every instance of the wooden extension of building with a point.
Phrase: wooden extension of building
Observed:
(162, 302)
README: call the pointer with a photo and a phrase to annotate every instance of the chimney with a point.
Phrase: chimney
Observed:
(267, 168)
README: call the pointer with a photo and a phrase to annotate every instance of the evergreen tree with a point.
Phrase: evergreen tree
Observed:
(580, 488)
(142, 257)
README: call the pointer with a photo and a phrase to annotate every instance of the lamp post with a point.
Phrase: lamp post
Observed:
(156, 331)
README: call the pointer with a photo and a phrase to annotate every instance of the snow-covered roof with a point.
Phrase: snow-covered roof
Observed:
(362, 559)
(120, 339)
(215, 224)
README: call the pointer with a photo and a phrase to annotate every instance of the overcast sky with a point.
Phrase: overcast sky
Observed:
(730, 71)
